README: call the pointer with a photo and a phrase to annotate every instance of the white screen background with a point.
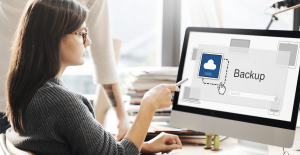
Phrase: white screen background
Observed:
(257, 42)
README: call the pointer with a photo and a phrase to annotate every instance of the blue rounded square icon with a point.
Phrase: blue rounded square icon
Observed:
(210, 65)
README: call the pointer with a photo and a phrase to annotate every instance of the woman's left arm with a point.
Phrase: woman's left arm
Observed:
(84, 133)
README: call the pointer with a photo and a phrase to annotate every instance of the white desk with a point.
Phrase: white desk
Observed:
(230, 143)
(226, 144)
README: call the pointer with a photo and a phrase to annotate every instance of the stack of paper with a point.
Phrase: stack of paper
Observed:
(185, 135)
(140, 81)
(143, 80)
(161, 124)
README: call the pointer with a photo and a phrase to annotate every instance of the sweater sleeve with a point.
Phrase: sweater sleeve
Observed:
(101, 49)
(87, 136)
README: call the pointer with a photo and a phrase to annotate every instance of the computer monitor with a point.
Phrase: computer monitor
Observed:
(242, 84)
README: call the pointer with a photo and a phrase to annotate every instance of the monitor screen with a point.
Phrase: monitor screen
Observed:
(244, 77)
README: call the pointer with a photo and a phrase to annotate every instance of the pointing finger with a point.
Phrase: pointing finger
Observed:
(172, 87)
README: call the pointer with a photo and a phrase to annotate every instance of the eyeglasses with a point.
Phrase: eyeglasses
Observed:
(83, 34)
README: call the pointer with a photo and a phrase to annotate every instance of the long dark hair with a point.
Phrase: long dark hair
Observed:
(35, 51)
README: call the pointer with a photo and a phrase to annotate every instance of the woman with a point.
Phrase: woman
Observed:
(46, 117)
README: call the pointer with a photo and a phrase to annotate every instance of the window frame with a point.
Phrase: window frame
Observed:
(170, 53)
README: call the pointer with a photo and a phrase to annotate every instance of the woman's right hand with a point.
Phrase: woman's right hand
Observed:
(163, 142)
(159, 97)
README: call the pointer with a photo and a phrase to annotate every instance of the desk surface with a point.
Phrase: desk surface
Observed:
(227, 144)
(230, 143)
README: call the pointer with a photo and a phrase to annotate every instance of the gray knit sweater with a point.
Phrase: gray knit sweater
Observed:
(58, 121)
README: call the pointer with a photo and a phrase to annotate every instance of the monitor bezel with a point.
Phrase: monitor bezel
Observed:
(233, 116)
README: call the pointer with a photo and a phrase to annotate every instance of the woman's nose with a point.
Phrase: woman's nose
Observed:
(88, 42)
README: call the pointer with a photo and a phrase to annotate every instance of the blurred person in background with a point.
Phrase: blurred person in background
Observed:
(101, 53)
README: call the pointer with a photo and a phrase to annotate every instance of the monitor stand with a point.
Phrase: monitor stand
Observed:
(246, 148)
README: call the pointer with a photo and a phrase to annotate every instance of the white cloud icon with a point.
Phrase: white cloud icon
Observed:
(210, 65)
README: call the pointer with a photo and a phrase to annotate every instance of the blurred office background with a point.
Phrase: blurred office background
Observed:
(152, 31)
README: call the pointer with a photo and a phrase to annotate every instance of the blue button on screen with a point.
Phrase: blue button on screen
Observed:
(210, 65)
